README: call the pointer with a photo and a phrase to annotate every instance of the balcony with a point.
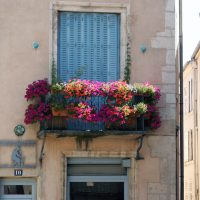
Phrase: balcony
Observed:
(92, 108)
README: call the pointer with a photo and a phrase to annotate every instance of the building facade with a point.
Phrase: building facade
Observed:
(53, 165)
(191, 116)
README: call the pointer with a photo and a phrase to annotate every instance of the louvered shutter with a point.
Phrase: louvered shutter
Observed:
(88, 46)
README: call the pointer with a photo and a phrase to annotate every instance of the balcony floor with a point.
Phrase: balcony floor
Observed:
(74, 133)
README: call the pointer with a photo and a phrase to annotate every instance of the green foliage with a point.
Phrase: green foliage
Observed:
(144, 89)
(57, 87)
(57, 99)
(58, 102)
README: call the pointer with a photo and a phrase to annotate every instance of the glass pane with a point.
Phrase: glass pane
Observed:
(96, 191)
(18, 189)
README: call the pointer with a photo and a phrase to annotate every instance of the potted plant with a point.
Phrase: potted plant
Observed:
(57, 100)
(82, 111)
(117, 92)
(58, 104)
(115, 116)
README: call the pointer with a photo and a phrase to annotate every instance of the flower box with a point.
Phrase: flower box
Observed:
(59, 113)
(130, 124)
(92, 105)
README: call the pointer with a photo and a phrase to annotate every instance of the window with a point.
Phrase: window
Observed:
(188, 187)
(190, 95)
(17, 189)
(185, 100)
(20, 188)
(190, 145)
(88, 46)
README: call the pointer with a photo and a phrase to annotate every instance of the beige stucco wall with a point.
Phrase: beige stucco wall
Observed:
(192, 168)
(198, 114)
(150, 23)
(189, 117)
(151, 178)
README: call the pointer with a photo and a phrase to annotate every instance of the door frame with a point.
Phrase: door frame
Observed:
(114, 179)
(18, 181)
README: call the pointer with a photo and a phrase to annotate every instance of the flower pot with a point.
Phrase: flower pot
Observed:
(59, 113)
(113, 126)
(131, 123)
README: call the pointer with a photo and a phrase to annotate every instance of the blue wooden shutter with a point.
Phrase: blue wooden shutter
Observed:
(88, 46)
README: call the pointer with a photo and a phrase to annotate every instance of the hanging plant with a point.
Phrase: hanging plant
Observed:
(37, 113)
(37, 89)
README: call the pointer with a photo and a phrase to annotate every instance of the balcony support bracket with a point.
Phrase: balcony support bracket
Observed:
(138, 156)
(42, 149)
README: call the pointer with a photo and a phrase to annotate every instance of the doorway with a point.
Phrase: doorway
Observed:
(97, 179)
(96, 191)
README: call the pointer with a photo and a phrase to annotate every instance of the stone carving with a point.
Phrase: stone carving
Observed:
(17, 157)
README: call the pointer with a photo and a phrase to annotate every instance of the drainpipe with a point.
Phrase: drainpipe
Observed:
(181, 134)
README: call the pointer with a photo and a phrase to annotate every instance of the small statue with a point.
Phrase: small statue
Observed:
(17, 157)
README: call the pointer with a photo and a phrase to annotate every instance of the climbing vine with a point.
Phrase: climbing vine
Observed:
(53, 73)
(127, 69)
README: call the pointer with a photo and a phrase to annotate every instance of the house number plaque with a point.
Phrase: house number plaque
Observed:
(18, 172)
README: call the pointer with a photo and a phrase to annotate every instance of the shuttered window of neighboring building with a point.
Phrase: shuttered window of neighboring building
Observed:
(88, 46)
(190, 96)
(190, 145)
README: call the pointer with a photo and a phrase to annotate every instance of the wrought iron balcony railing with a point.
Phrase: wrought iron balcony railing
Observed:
(61, 125)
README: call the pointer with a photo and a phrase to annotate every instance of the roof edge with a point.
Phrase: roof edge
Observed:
(196, 50)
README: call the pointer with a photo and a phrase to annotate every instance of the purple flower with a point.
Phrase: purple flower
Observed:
(37, 113)
(37, 89)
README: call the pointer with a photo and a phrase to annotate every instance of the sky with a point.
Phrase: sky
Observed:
(191, 27)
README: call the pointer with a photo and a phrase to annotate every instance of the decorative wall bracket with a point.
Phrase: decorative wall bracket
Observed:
(138, 156)
(42, 149)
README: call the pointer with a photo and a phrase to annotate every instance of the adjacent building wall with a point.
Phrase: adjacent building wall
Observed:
(189, 127)
(191, 123)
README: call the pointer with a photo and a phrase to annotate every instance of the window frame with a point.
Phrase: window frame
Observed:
(19, 181)
(117, 8)
(94, 161)
(190, 95)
